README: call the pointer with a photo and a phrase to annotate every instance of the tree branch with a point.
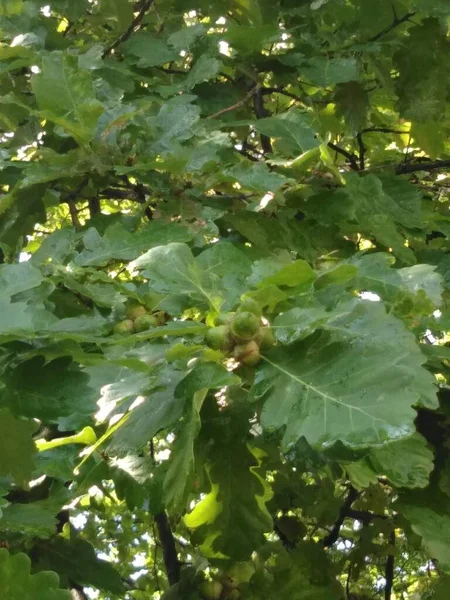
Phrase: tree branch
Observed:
(389, 571)
(364, 516)
(261, 113)
(382, 130)
(73, 213)
(347, 583)
(333, 536)
(94, 206)
(352, 159)
(249, 94)
(71, 199)
(167, 541)
(422, 166)
(133, 25)
(77, 592)
(395, 23)
(362, 152)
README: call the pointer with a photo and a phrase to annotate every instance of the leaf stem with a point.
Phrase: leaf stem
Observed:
(333, 536)
(133, 26)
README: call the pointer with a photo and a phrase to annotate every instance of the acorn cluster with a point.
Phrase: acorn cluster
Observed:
(138, 319)
(227, 586)
(241, 334)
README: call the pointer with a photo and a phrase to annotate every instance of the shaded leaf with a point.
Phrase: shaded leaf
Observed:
(16, 582)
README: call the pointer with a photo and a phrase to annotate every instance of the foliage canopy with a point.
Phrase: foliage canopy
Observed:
(224, 284)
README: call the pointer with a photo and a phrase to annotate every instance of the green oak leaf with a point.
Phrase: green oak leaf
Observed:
(77, 559)
(256, 177)
(20, 318)
(173, 269)
(428, 517)
(18, 278)
(376, 274)
(16, 582)
(65, 95)
(231, 520)
(119, 244)
(324, 71)
(55, 247)
(294, 130)
(381, 207)
(30, 519)
(356, 382)
(50, 392)
(407, 463)
(207, 375)
(297, 323)
(352, 104)
(268, 272)
(149, 49)
(182, 457)
(17, 448)
(157, 410)
(308, 569)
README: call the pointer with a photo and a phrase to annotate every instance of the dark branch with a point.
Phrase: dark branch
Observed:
(422, 166)
(352, 159)
(279, 90)
(362, 152)
(77, 592)
(118, 194)
(364, 515)
(347, 583)
(167, 541)
(382, 130)
(235, 106)
(71, 201)
(74, 213)
(261, 112)
(333, 536)
(133, 25)
(389, 571)
(395, 23)
(94, 206)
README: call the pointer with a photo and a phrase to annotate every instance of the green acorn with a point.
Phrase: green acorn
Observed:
(244, 326)
(126, 326)
(225, 318)
(247, 354)
(145, 322)
(252, 306)
(218, 338)
(267, 339)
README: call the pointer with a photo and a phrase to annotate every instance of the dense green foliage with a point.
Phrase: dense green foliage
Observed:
(224, 283)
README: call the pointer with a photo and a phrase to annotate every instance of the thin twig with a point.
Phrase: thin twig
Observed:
(133, 26)
(352, 159)
(383, 130)
(347, 583)
(72, 205)
(78, 592)
(364, 516)
(389, 571)
(395, 23)
(223, 111)
(167, 541)
(94, 206)
(333, 536)
(422, 166)
(68, 28)
(261, 113)
(155, 556)
(362, 152)
(73, 213)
